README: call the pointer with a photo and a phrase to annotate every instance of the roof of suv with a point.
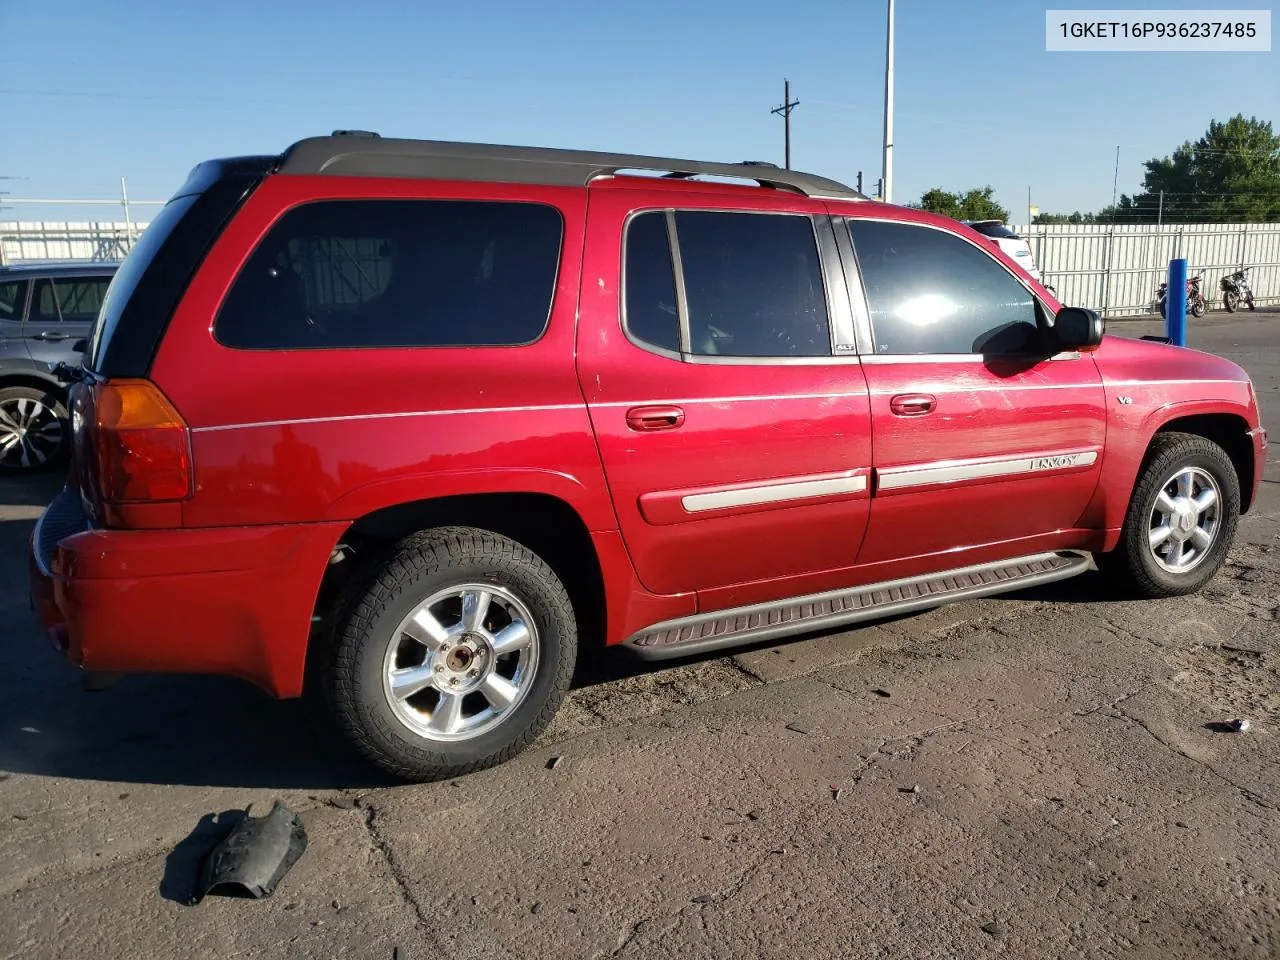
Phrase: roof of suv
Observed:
(355, 153)
(60, 268)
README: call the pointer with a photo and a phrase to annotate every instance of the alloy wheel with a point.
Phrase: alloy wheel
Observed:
(1184, 520)
(30, 433)
(461, 662)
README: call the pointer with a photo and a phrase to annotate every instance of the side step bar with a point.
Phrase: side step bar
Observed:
(766, 621)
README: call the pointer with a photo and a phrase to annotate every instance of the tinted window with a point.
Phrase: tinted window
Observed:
(753, 284)
(129, 278)
(931, 292)
(651, 312)
(389, 273)
(71, 299)
(12, 296)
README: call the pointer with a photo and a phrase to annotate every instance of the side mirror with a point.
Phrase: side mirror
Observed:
(1075, 328)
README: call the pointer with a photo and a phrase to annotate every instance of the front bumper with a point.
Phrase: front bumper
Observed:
(1259, 437)
(225, 600)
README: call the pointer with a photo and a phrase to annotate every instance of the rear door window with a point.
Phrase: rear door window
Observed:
(68, 299)
(397, 273)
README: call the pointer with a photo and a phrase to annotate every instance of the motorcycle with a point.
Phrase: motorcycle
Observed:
(1196, 305)
(1235, 290)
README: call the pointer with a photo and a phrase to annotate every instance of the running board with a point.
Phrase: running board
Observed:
(819, 611)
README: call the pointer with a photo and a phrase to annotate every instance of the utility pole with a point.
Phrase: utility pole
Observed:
(1114, 184)
(1160, 210)
(888, 113)
(785, 110)
(859, 181)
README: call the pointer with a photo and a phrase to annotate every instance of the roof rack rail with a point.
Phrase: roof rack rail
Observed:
(363, 154)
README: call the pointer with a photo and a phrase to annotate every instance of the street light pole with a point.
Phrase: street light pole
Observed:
(887, 196)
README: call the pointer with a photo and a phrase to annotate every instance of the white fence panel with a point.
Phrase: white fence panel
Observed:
(1116, 268)
(35, 240)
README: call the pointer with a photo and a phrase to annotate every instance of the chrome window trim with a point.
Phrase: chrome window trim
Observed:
(1037, 300)
(786, 491)
(892, 358)
(919, 475)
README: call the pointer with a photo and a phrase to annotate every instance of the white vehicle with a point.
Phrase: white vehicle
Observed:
(1009, 242)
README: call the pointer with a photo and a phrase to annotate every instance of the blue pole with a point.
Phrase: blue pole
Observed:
(1175, 303)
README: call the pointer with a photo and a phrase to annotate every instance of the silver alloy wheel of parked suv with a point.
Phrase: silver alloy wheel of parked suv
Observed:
(32, 432)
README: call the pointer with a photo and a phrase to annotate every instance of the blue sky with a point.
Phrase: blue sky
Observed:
(90, 91)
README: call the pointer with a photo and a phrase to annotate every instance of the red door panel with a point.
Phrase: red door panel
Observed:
(721, 472)
(1006, 451)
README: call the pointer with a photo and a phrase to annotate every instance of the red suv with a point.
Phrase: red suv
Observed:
(419, 419)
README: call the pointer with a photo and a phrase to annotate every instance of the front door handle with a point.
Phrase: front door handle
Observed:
(655, 418)
(912, 404)
(55, 337)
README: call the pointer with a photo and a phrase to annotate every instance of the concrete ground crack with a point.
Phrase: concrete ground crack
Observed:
(398, 876)
(1113, 705)
(1250, 795)
(625, 938)
(746, 671)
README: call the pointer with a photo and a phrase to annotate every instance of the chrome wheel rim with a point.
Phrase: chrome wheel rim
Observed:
(461, 662)
(30, 432)
(1185, 520)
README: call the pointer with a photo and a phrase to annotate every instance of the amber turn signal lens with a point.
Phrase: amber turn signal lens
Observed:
(142, 443)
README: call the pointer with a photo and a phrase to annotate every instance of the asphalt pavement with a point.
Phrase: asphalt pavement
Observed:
(1040, 775)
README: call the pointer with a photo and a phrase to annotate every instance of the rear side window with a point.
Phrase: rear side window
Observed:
(397, 273)
(69, 300)
(930, 292)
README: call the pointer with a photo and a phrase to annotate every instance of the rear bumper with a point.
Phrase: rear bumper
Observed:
(236, 601)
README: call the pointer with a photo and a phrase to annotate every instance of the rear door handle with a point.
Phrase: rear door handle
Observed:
(912, 404)
(654, 418)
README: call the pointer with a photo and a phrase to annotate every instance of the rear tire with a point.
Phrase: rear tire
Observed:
(1249, 302)
(1181, 520)
(454, 656)
(35, 431)
(1229, 301)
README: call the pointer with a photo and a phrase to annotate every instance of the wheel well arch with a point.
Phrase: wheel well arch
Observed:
(35, 381)
(545, 524)
(1230, 432)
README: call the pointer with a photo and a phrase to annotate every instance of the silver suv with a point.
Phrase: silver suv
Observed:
(46, 313)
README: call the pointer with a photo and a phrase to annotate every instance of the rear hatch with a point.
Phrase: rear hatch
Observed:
(130, 447)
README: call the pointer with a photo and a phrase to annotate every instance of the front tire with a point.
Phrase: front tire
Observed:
(1230, 300)
(1181, 520)
(456, 656)
(1197, 307)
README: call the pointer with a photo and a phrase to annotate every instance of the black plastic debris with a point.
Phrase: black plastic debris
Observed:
(251, 860)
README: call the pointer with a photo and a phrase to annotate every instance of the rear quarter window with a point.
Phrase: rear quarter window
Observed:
(397, 273)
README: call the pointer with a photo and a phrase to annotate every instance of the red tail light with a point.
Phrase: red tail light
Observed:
(139, 444)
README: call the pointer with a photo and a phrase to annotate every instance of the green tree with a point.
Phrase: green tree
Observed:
(1232, 173)
(976, 204)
